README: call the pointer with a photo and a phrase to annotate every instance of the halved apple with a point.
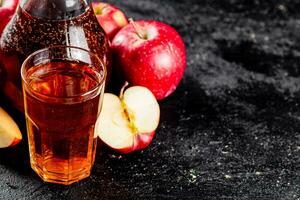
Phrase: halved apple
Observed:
(128, 123)
(10, 134)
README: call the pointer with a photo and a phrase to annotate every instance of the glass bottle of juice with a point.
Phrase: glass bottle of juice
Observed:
(38, 24)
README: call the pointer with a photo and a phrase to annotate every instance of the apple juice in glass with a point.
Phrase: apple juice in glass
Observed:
(39, 24)
(63, 89)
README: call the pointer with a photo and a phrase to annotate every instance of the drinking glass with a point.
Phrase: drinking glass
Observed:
(63, 88)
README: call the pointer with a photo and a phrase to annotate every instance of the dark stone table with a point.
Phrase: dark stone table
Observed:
(230, 131)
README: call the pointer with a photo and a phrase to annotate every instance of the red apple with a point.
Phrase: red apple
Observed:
(2, 75)
(10, 134)
(110, 18)
(7, 9)
(150, 54)
(128, 123)
(9, 88)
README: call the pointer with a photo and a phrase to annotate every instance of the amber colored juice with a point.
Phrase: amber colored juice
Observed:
(60, 118)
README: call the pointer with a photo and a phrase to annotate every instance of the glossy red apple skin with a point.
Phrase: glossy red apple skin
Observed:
(2, 75)
(111, 18)
(157, 62)
(8, 88)
(141, 141)
(7, 10)
(15, 142)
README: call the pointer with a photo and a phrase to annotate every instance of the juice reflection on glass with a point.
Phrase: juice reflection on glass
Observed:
(63, 89)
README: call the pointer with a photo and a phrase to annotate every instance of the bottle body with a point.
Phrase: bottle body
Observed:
(36, 26)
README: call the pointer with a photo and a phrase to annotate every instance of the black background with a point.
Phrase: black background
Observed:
(230, 131)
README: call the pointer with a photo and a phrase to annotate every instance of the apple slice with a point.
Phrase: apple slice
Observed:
(10, 134)
(128, 123)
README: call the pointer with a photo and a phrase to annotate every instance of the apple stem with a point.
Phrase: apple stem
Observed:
(138, 29)
(0, 3)
(122, 89)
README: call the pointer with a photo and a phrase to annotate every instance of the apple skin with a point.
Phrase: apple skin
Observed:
(141, 141)
(14, 95)
(9, 88)
(15, 142)
(2, 75)
(111, 18)
(7, 10)
(156, 62)
(10, 134)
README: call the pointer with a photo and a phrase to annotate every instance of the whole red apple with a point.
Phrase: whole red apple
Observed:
(7, 9)
(110, 18)
(150, 54)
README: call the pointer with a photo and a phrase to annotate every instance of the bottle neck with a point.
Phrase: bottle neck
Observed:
(54, 9)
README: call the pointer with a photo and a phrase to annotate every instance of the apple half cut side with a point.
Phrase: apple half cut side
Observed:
(128, 123)
(10, 134)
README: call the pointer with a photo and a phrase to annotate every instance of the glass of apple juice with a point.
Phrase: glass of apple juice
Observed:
(63, 89)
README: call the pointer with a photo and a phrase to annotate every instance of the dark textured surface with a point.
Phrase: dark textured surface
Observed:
(230, 131)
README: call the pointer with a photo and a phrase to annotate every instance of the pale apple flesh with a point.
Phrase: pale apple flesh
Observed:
(112, 124)
(142, 108)
(128, 123)
(10, 133)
